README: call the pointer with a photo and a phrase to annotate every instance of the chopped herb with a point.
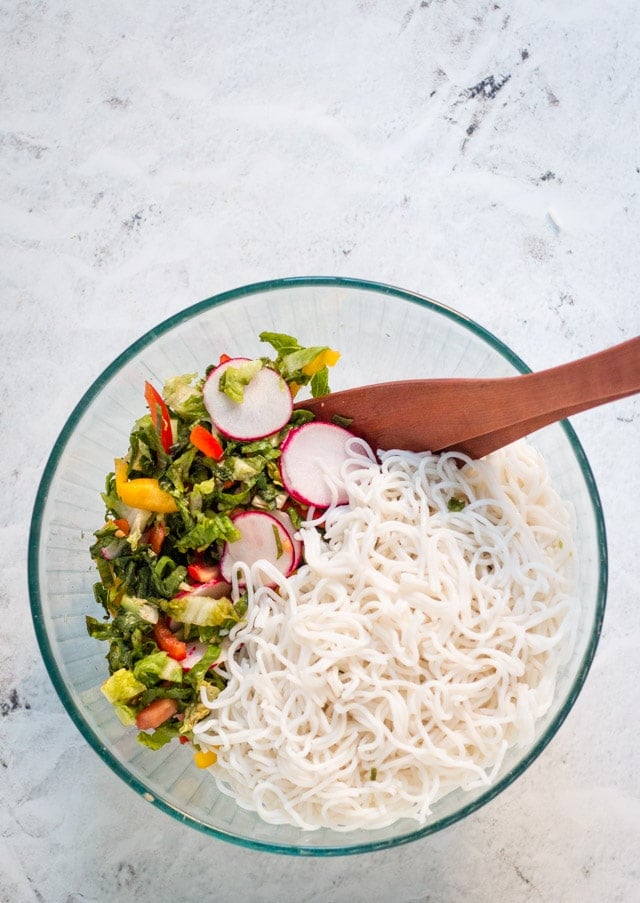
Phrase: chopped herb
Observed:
(339, 420)
(456, 504)
(374, 774)
(276, 536)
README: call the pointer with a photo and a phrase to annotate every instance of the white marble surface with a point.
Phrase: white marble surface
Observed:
(154, 153)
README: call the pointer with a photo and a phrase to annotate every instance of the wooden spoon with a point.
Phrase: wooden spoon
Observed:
(478, 416)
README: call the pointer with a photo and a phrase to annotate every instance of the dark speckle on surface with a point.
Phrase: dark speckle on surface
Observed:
(13, 703)
(118, 103)
(24, 144)
(408, 16)
(134, 221)
(488, 87)
(125, 874)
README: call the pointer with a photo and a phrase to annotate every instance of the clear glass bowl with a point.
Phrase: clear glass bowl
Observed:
(383, 333)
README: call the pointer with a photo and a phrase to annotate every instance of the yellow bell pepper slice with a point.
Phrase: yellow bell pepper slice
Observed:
(204, 759)
(326, 358)
(144, 492)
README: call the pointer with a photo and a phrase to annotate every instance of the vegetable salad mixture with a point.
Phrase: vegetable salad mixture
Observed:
(199, 489)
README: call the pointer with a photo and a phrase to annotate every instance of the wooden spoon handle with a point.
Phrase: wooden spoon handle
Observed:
(479, 446)
(530, 402)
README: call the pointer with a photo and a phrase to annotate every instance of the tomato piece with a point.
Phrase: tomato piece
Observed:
(206, 442)
(156, 713)
(168, 641)
(159, 415)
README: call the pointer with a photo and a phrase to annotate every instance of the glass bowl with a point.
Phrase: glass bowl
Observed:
(383, 333)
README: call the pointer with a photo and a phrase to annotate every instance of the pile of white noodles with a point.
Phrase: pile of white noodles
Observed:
(411, 650)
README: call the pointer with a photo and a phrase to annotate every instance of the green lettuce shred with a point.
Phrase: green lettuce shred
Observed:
(207, 530)
(122, 686)
(160, 736)
(200, 610)
(234, 379)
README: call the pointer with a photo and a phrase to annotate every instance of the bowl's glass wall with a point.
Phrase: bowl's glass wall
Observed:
(382, 334)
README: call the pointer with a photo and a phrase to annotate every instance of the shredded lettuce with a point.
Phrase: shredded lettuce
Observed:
(126, 713)
(158, 666)
(234, 379)
(167, 576)
(192, 714)
(207, 530)
(146, 611)
(183, 394)
(122, 686)
(160, 736)
(201, 610)
(196, 675)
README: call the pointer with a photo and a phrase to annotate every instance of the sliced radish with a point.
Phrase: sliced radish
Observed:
(215, 589)
(195, 651)
(298, 545)
(266, 407)
(262, 537)
(310, 454)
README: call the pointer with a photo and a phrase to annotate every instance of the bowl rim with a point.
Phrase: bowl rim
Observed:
(36, 600)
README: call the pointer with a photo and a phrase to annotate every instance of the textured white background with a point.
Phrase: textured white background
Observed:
(154, 153)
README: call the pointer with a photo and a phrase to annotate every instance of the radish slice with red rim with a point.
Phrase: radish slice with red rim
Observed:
(262, 537)
(195, 652)
(265, 409)
(311, 463)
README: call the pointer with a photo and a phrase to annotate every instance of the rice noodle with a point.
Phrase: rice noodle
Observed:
(409, 652)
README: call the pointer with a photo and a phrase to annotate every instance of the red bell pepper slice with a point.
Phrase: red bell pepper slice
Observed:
(168, 641)
(206, 442)
(157, 535)
(203, 573)
(159, 415)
